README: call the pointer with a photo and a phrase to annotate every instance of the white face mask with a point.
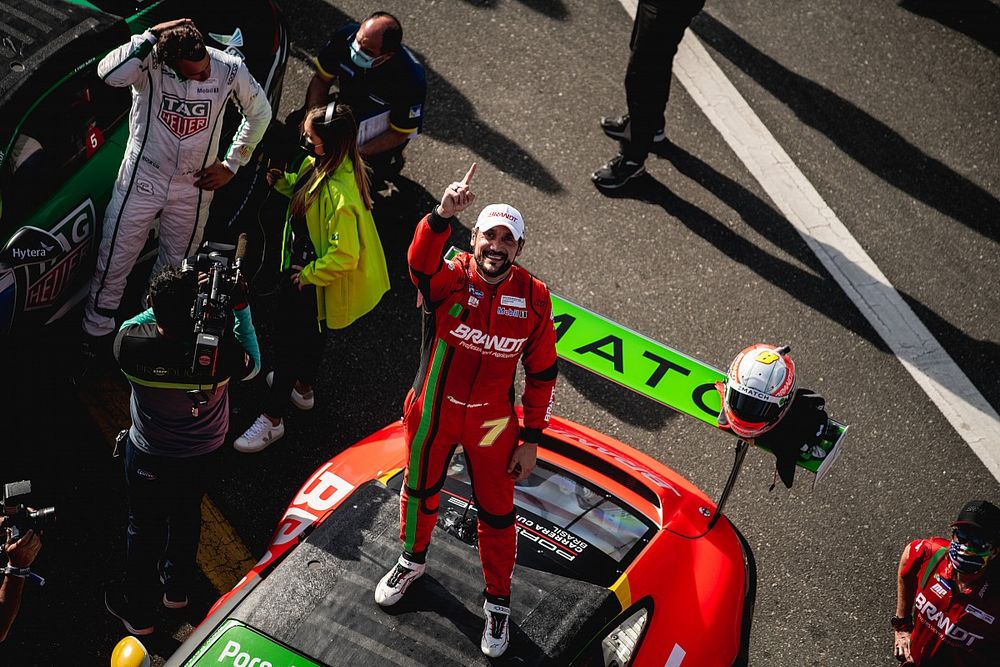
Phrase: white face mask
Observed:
(359, 57)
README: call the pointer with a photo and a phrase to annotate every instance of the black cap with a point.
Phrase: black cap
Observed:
(980, 514)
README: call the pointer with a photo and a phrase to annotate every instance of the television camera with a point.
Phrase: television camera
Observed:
(221, 288)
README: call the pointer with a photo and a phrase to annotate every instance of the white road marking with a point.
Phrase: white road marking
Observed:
(922, 356)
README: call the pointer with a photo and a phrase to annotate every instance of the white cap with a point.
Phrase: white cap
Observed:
(504, 215)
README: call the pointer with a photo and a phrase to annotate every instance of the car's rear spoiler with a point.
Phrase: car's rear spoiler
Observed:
(656, 371)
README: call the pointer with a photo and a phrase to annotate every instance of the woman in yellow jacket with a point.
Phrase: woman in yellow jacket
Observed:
(332, 261)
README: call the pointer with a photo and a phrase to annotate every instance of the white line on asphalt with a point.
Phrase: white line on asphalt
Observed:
(922, 356)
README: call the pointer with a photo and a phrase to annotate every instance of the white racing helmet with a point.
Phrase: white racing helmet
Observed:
(760, 386)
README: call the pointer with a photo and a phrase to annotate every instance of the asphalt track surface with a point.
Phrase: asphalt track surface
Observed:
(889, 108)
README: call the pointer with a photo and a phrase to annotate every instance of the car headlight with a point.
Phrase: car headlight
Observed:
(620, 645)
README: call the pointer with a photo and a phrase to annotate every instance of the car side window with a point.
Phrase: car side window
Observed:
(57, 138)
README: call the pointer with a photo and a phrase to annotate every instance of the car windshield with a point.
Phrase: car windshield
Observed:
(56, 140)
(561, 508)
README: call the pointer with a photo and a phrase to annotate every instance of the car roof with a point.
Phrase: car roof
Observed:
(318, 600)
(42, 41)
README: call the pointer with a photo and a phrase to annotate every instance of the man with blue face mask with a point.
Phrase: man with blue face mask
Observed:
(948, 594)
(382, 82)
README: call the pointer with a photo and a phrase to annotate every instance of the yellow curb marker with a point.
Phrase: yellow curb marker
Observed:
(222, 556)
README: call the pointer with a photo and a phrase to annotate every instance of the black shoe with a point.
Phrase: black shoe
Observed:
(618, 128)
(135, 622)
(174, 597)
(617, 172)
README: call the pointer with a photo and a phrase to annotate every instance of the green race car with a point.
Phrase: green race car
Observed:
(63, 134)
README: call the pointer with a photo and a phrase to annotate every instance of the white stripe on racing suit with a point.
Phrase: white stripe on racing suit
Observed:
(174, 128)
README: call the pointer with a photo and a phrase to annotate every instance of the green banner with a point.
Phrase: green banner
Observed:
(634, 361)
(235, 645)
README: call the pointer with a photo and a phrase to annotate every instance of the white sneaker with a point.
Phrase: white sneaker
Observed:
(496, 634)
(304, 401)
(395, 582)
(260, 434)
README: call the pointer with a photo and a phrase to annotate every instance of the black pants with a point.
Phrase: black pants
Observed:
(164, 521)
(298, 341)
(658, 29)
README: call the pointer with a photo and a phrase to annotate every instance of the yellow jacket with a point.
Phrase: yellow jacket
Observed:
(350, 273)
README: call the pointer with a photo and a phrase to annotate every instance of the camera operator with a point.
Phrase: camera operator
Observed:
(19, 554)
(180, 416)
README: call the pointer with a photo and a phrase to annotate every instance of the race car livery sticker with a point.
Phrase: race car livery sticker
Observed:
(46, 281)
(630, 359)
(512, 312)
(516, 301)
(560, 542)
(184, 118)
(235, 645)
(321, 493)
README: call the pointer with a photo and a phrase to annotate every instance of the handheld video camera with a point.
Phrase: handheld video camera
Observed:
(212, 309)
(17, 516)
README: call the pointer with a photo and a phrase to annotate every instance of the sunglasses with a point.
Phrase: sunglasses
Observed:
(972, 539)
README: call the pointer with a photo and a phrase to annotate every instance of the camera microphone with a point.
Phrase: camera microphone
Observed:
(241, 246)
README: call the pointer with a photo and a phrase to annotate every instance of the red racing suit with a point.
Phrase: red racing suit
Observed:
(473, 335)
(951, 627)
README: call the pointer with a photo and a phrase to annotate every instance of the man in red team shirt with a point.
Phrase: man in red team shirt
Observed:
(481, 315)
(948, 594)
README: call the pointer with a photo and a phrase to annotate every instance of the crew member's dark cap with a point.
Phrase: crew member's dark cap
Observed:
(983, 515)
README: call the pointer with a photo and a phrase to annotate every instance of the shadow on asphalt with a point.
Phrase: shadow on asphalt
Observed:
(976, 19)
(553, 9)
(978, 359)
(866, 139)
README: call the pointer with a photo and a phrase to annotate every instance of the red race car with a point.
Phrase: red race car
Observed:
(620, 560)
(616, 566)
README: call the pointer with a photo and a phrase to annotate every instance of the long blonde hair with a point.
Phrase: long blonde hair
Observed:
(334, 123)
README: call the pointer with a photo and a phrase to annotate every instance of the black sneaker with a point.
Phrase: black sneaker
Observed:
(134, 621)
(618, 128)
(617, 172)
(173, 596)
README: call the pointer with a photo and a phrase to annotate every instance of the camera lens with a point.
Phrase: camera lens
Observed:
(40, 519)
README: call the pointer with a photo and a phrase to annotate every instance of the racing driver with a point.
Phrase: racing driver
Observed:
(481, 314)
(179, 93)
(948, 594)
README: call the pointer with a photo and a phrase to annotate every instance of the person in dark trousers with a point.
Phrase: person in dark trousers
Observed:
(332, 265)
(180, 416)
(657, 31)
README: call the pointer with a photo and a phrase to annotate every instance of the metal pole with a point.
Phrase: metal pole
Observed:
(741, 452)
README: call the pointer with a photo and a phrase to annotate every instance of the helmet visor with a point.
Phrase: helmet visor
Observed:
(751, 409)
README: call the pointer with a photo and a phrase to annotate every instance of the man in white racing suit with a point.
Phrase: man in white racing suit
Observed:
(179, 93)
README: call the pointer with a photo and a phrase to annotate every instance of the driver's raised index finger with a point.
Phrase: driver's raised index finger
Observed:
(469, 174)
